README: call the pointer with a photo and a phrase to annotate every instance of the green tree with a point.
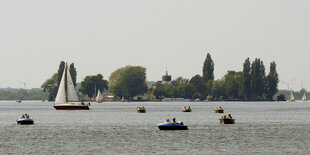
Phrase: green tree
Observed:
(50, 87)
(208, 88)
(198, 83)
(116, 75)
(246, 79)
(160, 92)
(181, 80)
(258, 79)
(91, 84)
(272, 81)
(232, 84)
(73, 73)
(218, 90)
(185, 90)
(131, 82)
(60, 72)
(208, 68)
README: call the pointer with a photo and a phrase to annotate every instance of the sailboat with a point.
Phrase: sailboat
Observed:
(304, 98)
(99, 97)
(292, 99)
(67, 98)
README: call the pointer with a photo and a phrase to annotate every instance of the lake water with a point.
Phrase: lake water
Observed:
(116, 128)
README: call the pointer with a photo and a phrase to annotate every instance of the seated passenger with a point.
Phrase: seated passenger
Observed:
(173, 120)
(229, 116)
(167, 120)
(189, 107)
(224, 116)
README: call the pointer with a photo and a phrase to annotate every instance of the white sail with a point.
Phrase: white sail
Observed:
(304, 98)
(292, 96)
(99, 97)
(72, 95)
(61, 94)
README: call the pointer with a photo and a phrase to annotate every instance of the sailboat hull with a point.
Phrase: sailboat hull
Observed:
(71, 107)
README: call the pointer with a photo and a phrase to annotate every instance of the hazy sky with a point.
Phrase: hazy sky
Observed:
(100, 36)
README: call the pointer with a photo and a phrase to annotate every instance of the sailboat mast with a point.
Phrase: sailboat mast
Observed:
(66, 82)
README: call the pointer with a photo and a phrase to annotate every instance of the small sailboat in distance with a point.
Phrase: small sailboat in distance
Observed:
(292, 99)
(304, 98)
(67, 98)
(99, 97)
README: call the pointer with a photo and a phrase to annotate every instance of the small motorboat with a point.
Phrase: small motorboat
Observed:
(219, 110)
(172, 126)
(227, 120)
(25, 121)
(141, 110)
(187, 109)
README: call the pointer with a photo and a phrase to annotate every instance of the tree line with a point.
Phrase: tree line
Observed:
(251, 83)
(125, 82)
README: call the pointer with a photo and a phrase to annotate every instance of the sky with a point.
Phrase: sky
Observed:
(100, 36)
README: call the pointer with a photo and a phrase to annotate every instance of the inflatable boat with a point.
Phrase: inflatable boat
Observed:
(172, 126)
(27, 121)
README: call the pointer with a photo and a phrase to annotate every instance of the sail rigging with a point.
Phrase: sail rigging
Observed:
(66, 91)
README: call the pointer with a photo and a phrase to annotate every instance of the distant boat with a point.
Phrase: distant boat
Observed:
(141, 110)
(67, 98)
(187, 109)
(292, 99)
(20, 100)
(99, 97)
(304, 98)
(219, 110)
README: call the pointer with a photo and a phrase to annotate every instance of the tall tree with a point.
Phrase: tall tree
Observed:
(60, 71)
(73, 73)
(208, 68)
(272, 81)
(91, 84)
(116, 75)
(246, 79)
(131, 82)
(258, 78)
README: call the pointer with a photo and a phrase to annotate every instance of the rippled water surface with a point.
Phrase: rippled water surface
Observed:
(116, 128)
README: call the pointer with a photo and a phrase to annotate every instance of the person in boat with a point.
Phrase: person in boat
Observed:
(173, 120)
(82, 102)
(25, 116)
(224, 116)
(167, 120)
(229, 116)
(220, 107)
(189, 107)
